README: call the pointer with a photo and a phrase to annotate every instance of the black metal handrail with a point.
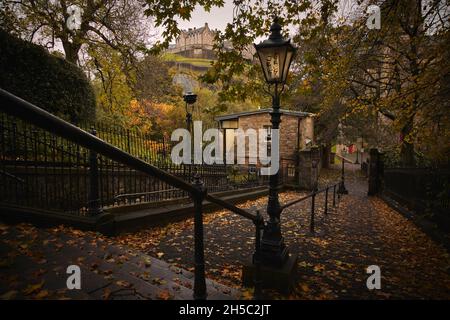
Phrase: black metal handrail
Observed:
(26, 111)
(48, 162)
(231, 207)
(343, 158)
(139, 194)
(11, 176)
(313, 195)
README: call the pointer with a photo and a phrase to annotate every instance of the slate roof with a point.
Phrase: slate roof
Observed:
(231, 116)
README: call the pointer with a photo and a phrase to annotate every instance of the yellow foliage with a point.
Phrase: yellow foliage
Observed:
(154, 117)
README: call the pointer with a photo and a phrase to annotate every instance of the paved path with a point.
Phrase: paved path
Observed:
(360, 232)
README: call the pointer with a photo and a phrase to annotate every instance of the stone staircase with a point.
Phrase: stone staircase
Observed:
(108, 271)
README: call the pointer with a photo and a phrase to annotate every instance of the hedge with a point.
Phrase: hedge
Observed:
(30, 72)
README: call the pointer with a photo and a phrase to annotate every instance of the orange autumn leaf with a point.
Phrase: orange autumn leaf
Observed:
(164, 295)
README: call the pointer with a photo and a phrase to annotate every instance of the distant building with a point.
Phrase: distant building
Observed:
(195, 43)
(199, 43)
(296, 130)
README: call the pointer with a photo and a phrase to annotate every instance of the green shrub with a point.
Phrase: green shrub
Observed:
(50, 82)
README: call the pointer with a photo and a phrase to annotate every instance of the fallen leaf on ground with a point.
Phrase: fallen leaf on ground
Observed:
(42, 294)
(247, 294)
(164, 295)
(33, 288)
(124, 284)
(9, 295)
(106, 294)
(305, 287)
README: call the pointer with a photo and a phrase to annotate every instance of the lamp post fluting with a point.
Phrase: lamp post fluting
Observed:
(275, 55)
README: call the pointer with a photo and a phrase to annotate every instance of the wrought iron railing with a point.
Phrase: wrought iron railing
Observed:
(57, 173)
(312, 195)
(425, 191)
(78, 143)
(139, 144)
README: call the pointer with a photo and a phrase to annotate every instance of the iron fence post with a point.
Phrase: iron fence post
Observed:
(199, 281)
(326, 200)
(128, 141)
(342, 189)
(94, 207)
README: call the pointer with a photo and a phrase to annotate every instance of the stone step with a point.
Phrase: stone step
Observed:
(108, 270)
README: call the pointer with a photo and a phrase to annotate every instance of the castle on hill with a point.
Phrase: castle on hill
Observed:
(195, 43)
(198, 43)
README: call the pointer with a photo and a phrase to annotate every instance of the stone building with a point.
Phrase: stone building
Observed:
(195, 43)
(296, 131)
(199, 42)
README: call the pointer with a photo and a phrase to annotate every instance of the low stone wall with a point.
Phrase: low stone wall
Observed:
(308, 169)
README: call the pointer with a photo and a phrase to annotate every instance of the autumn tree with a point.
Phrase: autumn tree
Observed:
(156, 119)
(154, 81)
(113, 86)
(120, 24)
(401, 71)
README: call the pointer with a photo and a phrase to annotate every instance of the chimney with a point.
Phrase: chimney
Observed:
(206, 24)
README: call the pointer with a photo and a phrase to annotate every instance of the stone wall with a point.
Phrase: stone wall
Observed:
(290, 138)
(198, 54)
(256, 122)
(290, 127)
(307, 131)
(308, 170)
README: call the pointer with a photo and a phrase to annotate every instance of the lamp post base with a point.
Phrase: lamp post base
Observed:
(274, 252)
(281, 278)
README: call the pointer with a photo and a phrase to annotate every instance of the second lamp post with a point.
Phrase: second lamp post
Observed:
(190, 99)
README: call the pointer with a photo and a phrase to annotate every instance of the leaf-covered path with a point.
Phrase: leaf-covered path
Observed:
(360, 232)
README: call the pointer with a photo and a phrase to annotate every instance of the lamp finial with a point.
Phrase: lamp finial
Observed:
(275, 29)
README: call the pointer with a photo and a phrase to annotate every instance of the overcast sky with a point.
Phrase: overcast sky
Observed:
(217, 18)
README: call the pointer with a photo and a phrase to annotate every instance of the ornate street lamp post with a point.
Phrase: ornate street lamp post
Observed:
(190, 99)
(275, 55)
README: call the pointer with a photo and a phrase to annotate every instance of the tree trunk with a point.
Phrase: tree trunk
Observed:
(72, 56)
(71, 51)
